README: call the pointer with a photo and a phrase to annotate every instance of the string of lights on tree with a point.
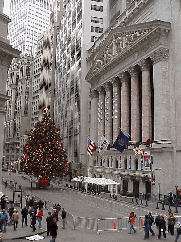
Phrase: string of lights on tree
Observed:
(44, 155)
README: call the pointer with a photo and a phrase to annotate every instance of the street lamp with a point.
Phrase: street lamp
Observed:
(15, 183)
(159, 191)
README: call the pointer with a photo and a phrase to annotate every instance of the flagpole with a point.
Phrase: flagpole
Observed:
(125, 132)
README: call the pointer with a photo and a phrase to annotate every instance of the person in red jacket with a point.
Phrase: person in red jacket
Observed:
(39, 217)
(131, 220)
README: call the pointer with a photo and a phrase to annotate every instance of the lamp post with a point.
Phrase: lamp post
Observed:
(159, 191)
(31, 183)
(15, 183)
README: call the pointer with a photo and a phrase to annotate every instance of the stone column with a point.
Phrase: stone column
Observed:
(146, 100)
(108, 112)
(101, 113)
(94, 116)
(135, 124)
(161, 94)
(116, 108)
(125, 103)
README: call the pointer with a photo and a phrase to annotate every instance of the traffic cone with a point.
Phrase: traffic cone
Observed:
(114, 224)
(141, 223)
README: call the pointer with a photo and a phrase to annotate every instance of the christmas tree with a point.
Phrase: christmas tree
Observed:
(44, 155)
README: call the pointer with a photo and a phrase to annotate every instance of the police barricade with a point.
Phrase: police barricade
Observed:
(70, 219)
(108, 224)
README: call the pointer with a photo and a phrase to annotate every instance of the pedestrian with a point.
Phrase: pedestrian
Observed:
(178, 226)
(171, 222)
(1, 222)
(30, 213)
(162, 227)
(151, 220)
(157, 220)
(63, 218)
(33, 217)
(28, 199)
(55, 214)
(24, 213)
(35, 206)
(4, 218)
(10, 211)
(146, 227)
(40, 204)
(131, 220)
(39, 217)
(3, 202)
(58, 208)
(15, 219)
(49, 220)
(53, 230)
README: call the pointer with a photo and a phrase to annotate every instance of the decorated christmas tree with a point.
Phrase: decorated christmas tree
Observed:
(44, 155)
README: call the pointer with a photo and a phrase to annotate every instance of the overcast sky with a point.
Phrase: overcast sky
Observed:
(6, 6)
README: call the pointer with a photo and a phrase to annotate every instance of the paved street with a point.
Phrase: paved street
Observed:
(75, 204)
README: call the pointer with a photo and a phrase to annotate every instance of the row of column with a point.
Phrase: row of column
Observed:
(110, 103)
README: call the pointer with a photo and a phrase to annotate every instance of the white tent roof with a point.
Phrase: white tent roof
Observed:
(97, 181)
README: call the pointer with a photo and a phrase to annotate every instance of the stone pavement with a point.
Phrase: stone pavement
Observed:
(79, 235)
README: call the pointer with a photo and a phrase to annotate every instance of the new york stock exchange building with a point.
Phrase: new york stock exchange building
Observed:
(134, 70)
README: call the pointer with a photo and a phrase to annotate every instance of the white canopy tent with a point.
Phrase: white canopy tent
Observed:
(97, 181)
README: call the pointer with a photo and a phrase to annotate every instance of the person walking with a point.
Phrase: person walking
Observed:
(28, 199)
(151, 220)
(11, 211)
(40, 204)
(55, 214)
(39, 217)
(63, 218)
(131, 220)
(157, 220)
(24, 213)
(30, 213)
(15, 219)
(3, 202)
(146, 227)
(53, 230)
(171, 222)
(162, 227)
(49, 220)
(33, 217)
(4, 218)
(178, 226)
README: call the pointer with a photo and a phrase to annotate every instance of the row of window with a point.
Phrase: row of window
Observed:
(97, 20)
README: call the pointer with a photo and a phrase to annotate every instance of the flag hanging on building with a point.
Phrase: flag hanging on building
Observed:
(103, 146)
(91, 147)
(121, 142)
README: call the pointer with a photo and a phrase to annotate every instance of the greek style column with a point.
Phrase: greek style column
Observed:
(101, 113)
(161, 94)
(94, 116)
(146, 100)
(124, 103)
(135, 124)
(116, 107)
(108, 111)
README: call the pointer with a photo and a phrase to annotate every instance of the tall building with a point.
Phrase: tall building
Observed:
(134, 72)
(82, 23)
(29, 18)
(7, 53)
(18, 108)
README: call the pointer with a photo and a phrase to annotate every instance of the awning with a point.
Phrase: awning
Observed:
(96, 181)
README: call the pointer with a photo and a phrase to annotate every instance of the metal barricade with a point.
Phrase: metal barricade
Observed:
(108, 224)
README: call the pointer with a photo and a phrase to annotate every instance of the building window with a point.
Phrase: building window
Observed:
(97, 20)
(99, 1)
(96, 29)
(97, 8)
(93, 38)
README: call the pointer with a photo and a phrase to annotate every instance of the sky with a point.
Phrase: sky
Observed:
(6, 7)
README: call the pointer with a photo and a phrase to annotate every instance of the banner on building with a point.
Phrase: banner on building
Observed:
(147, 161)
(103, 146)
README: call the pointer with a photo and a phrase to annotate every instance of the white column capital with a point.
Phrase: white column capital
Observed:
(94, 94)
(124, 76)
(133, 71)
(115, 82)
(101, 90)
(107, 86)
(144, 65)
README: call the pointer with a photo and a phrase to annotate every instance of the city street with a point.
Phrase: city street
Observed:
(75, 204)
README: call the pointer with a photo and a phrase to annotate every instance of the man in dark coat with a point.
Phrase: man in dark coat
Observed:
(53, 230)
(49, 220)
(40, 204)
(162, 227)
(63, 218)
(151, 220)
(24, 213)
(33, 217)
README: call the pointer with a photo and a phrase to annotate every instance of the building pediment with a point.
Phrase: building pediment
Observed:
(122, 42)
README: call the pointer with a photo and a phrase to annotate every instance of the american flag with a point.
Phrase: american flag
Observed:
(91, 147)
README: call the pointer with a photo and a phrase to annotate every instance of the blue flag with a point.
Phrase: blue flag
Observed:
(121, 142)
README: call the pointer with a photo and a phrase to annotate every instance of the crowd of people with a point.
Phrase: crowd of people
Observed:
(34, 209)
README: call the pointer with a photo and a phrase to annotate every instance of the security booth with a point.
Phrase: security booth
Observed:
(17, 198)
